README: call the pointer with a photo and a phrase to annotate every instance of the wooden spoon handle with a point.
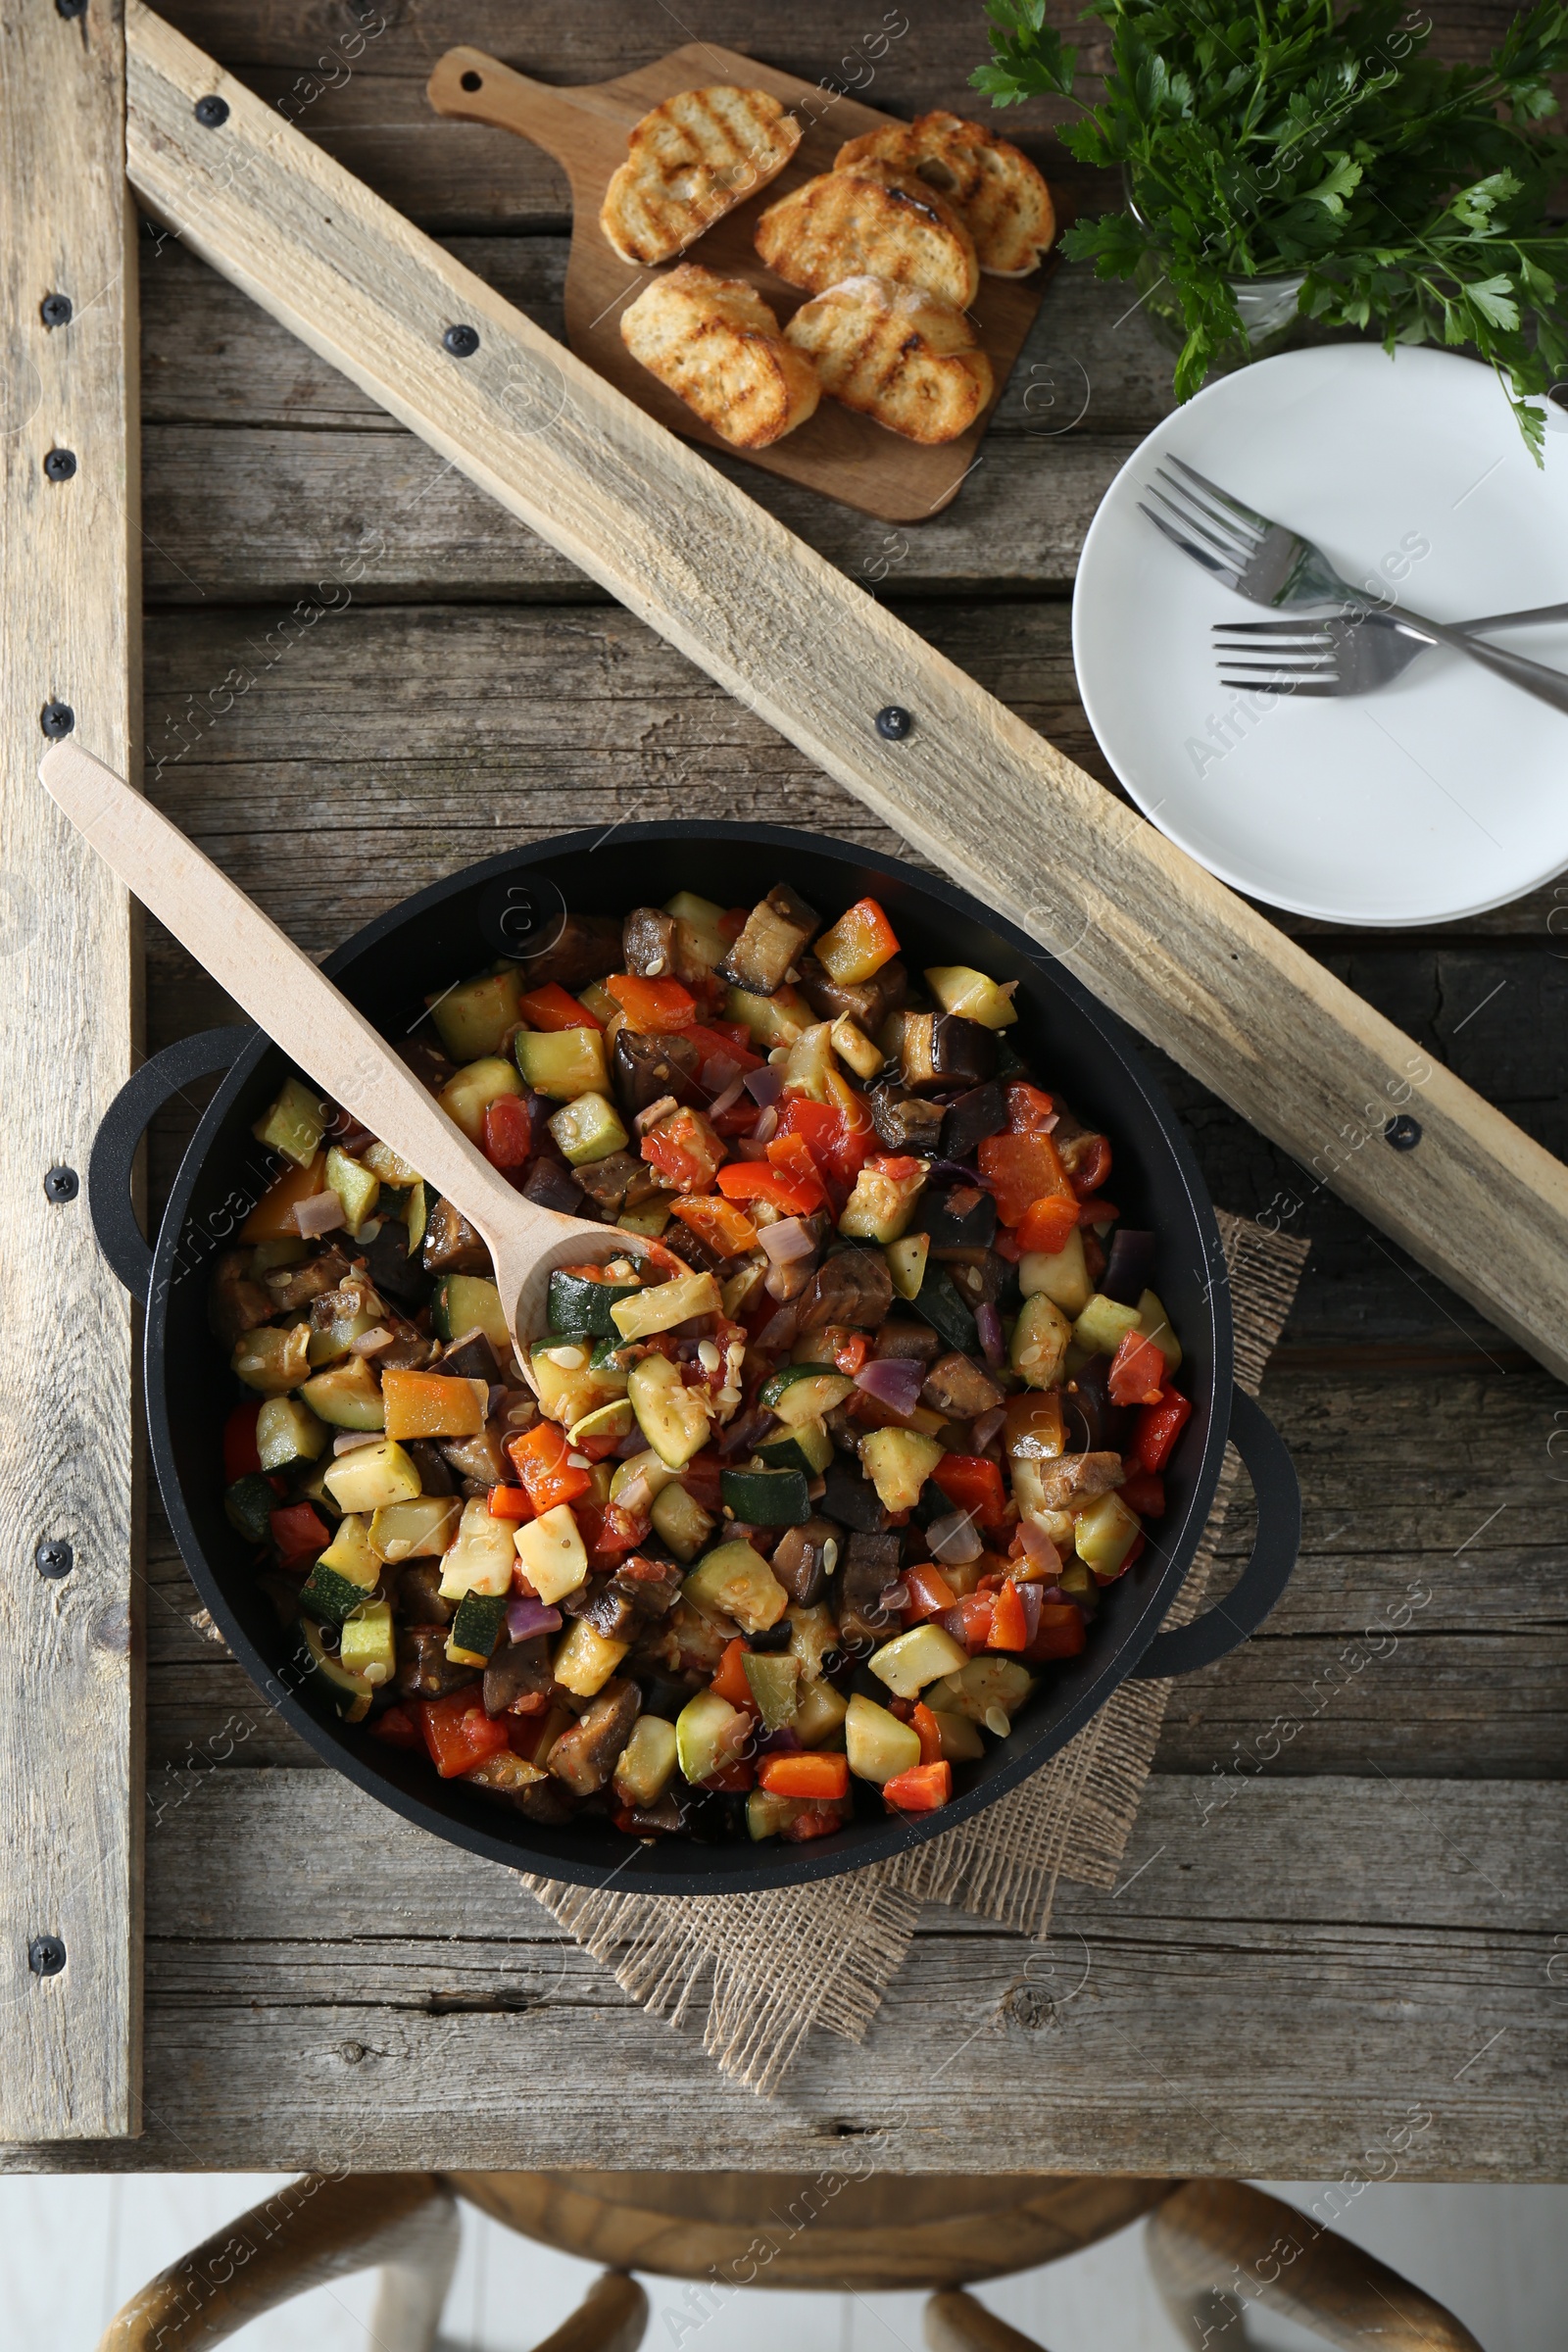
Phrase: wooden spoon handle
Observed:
(279, 986)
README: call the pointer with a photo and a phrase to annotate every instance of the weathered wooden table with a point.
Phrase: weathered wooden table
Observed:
(1341, 1940)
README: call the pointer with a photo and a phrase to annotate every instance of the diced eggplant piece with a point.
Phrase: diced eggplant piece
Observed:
(850, 1498)
(585, 1756)
(235, 1304)
(1075, 1478)
(964, 1217)
(424, 1671)
(479, 1458)
(904, 1122)
(293, 1287)
(451, 1244)
(870, 1565)
(867, 1003)
(434, 1476)
(853, 1287)
(550, 1184)
(777, 932)
(430, 1064)
(967, 1123)
(1130, 1267)
(979, 1276)
(395, 1273)
(418, 1599)
(1093, 1423)
(960, 1389)
(902, 1335)
(410, 1351)
(648, 942)
(516, 1670)
(802, 1560)
(609, 1612)
(586, 947)
(647, 1068)
(651, 1586)
(468, 1358)
(940, 1050)
(606, 1181)
(548, 1802)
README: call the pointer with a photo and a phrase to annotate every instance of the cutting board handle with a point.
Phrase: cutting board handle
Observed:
(470, 86)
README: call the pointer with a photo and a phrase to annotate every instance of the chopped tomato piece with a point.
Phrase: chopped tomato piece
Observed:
(608, 1533)
(1091, 1164)
(651, 1006)
(816, 1821)
(298, 1532)
(240, 1457)
(923, 1789)
(702, 1477)
(1137, 1371)
(1008, 1245)
(397, 1728)
(1143, 1492)
(595, 1450)
(812, 1776)
(1060, 1634)
(272, 1219)
(791, 1155)
(511, 1502)
(685, 1150)
(1009, 1626)
(458, 1731)
(1048, 1224)
(552, 1007)
(929, 1594)
(1030, 1110)
(850, 1352)
(730, 1681)
(1019, 1170)
(726, 1229)
(897, 1166)
(972, 1482)
(540, 1459)
(1097, 1212)
(732, 1779)
(759, 1180)
(926, 1723)
(507, 1141)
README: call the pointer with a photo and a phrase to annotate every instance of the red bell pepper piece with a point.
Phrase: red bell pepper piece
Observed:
(723, 1041)
(1009, 1626)
(850, 1352)
(791, 1155)
(552, 1007)
(1092, 1166)
(240, 1457)
(1019, 1170)
(653, 1006)
(540, 1459)
(1048, 1224)
(1143, 1492)
(1137, 1371)
(511, 1502)
(968, 1621)
(816, 1821)
(1060, 1633)
(458, 1731)
(298, 1532)
(1030, 1110)
(732, 1779)
(929, 1594)
(926, 1723)
(730, 1681)
(1159, 1428)
(397, 1728)
(686, 1151)
(815, 1777)
(923, 1789)
(1097, 1210)
(727, 1230)
(508, 1132)
(760, 1180)
(973, 1483)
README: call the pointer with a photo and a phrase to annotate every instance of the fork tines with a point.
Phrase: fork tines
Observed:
(1295, 654)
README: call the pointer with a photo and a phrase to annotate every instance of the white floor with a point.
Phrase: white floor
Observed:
(71, 2250)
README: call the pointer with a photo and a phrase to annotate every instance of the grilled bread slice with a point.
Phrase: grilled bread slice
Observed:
(717, 344)
(873, 223)
(993, 188)
(897, 353)
(689, 162)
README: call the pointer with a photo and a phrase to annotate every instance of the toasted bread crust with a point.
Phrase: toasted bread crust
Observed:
(897, 353)
(718, 346)
(992, 185)
(872, 223)
(689, 162)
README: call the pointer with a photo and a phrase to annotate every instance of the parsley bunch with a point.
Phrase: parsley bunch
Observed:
(1277, 139)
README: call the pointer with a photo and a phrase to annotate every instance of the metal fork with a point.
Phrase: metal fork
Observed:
(1269, 563)
(1337, 655)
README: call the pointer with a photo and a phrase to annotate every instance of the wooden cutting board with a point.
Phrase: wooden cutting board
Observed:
(586, 129)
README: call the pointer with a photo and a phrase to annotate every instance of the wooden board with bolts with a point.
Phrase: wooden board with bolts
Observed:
(70, 660)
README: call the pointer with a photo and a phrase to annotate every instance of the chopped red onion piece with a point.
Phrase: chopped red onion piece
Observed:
(894, 1596)
(636, 1496)
(785, 1742)
(765, 1086)
(1029, 1594)
(987, 1427)
(790, 1238)
(1043, 1559)
(497, 1398)
(727, 1099)
(894, 1381)
(953, 1623)
(346, 1439)
(632, 1442)
(767, 1126)
(528, 1616)
(371, 1341)
(719, 1071)
(953, 1539)
(321, 1212)
(988, 1323)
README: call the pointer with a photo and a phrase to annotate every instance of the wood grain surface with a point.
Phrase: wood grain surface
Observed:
(69, 1664)
(836, 452)
(1176, 953)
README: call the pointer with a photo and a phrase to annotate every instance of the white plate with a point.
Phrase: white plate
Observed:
(1443, 794)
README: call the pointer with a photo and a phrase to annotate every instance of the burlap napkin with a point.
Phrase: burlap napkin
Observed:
(788, 1959)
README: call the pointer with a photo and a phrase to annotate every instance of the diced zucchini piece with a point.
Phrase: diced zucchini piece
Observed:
(272, 1360)
(854, 1047)
(478, 1018)
(1076, 1580)
(911, 1660)
(814, 1637)
(775, 1020)
(1155, 1324)
(766, 1814)
(567, 1385)
(898, 1462)
(1103, 1325)
(988, 1691)
(383, 1161)
(802, 1392)
(354, 1186)
(587, 1128)
(737, 1583)
(553, 1554)
(1104, 1534)
(468, 1094)
(330, 1341)
(585, 1660)
(1040, 1340)
(878, 1745)
(268, 1255)
(351, 1555)
(774, 1679)
(1059, 1275)
(740, 1290)
(372, 1476)
(708, 1733)
(368, 1643)
(881, 1205)
(580, 1299)
(346, 1396)
(597, 1000)
(958, 987)
(820, 1714)
(907, 1263)
(698, 937)
(477, 1628)
(647, 1466)
(295, 1124)
(962, 1743)
(807, 1447)
(765, 1498)
(563, 1063)
(664, 1304)
(286, 1432)
(421, 1529)
(611, 1420)
(680, 1522)
(672, 1417)
(647, 1762)
(328, 1596)
(650, 1220)
(249, 1504)
(810, 1062)
(466, 1303)
(481, 1558)
(414, 1215)
(347, 1695)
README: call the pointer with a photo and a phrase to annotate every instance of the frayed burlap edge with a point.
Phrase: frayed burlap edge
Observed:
(780, 1962)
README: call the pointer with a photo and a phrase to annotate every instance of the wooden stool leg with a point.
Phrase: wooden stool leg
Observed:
(611, 2317)
(955, 2322)
(1221, 2234)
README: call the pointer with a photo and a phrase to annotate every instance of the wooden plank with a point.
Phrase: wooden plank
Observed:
(1276, 1990)
(70, 1666)
(1171, 949)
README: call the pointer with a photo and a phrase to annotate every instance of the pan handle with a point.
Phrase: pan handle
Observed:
(1227, 1624)
(125, 1122)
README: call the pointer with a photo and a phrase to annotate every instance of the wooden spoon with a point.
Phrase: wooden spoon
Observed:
(319, 1029)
